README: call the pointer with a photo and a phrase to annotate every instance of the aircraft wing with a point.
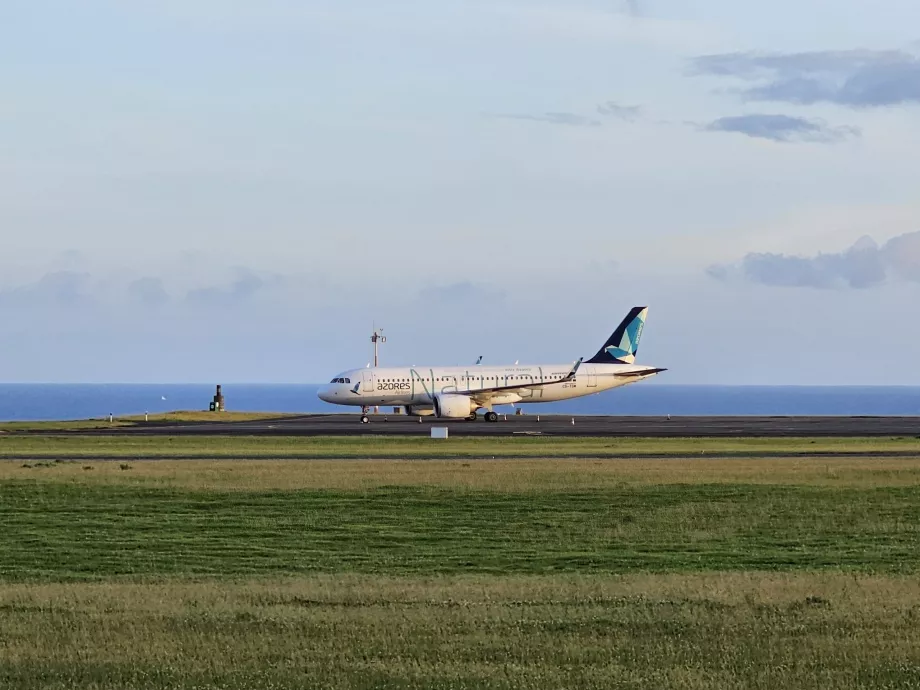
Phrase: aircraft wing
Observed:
(482, 395)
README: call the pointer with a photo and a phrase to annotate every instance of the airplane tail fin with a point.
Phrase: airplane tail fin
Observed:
(622, 345)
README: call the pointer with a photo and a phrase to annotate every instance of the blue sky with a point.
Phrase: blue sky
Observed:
(199, 190)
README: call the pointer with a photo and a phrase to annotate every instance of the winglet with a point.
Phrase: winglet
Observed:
(571, 374)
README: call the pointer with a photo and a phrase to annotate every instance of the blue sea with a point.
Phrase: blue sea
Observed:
(65, 401)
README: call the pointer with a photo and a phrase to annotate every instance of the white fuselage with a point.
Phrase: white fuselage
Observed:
(418, 386)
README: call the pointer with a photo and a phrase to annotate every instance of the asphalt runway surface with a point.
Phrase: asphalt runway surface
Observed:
(536, 425)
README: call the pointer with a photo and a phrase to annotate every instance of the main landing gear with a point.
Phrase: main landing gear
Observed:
(365, 419)
(491, 416)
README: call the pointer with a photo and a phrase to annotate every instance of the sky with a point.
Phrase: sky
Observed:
(229, 191)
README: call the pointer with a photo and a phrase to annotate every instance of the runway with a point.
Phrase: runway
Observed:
(535, 425)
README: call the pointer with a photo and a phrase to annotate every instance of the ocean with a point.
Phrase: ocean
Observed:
(21, 402)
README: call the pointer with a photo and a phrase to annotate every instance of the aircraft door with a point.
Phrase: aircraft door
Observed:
(367, 381)
(592, 377)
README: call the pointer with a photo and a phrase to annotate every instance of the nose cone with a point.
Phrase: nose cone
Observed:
(324, 394)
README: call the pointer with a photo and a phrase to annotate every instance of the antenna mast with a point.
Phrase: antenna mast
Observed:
(377, 337)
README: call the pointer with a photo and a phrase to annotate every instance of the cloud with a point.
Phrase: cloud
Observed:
(719, 272)
(148, 291)
(629, 113)
(782, 128)
(852, 78)
(71, 291)
(59, 288)
(243, 288)
(864, 265)
(570, 119)
(610, 109)
(902, 254)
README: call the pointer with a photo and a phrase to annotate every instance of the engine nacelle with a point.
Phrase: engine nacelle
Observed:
(453, 406)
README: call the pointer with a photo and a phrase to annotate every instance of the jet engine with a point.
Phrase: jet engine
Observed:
(453, 406)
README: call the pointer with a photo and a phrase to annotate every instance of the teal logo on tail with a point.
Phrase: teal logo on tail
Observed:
(623, 343)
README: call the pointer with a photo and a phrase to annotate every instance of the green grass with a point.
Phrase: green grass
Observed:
(641, 574)
(70, 446)
(760, 631)
(61, 531)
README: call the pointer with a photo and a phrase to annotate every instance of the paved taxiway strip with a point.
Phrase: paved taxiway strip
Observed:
(531, 424)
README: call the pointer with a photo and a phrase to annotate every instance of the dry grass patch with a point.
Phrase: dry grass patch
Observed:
(190, 416)
(505, 475)
(206, 416)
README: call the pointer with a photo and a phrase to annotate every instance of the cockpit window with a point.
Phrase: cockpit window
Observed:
(347, 380)
(334, 381)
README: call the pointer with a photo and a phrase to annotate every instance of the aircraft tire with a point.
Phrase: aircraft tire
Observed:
(491, 416)
(472, 417)
(365, 419)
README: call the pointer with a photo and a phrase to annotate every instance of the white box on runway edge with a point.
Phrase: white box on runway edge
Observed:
(439, 432)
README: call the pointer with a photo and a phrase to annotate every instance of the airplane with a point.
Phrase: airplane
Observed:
(460, 392)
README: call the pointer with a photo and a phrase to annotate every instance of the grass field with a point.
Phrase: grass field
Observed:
(762, 631)
(79, 445)
(518, 573)
(510, 475)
